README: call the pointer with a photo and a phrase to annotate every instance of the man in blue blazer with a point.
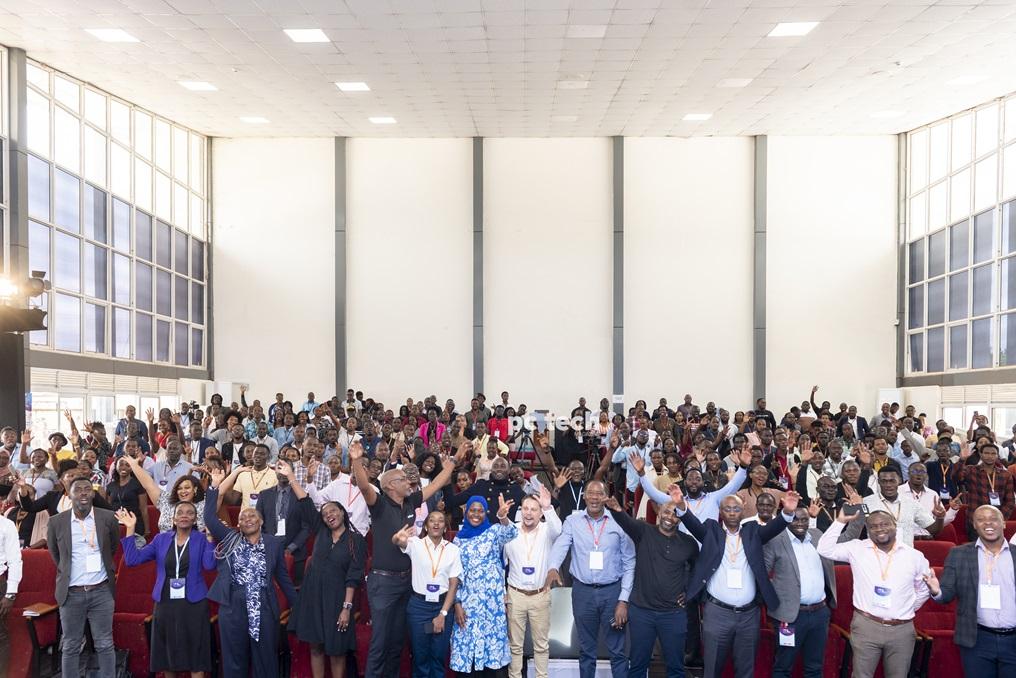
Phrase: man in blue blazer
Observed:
(731, 576)
(248, 607)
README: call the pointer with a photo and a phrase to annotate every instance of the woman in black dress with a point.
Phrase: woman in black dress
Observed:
(322, 616)
(125, 492)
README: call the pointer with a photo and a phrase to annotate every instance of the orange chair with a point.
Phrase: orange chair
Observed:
(31, 637)
(935, 551)
(132, 613)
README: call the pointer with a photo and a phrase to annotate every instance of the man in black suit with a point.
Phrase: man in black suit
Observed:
(731, 576)
(198, 444)
(81, 542)
(282, 517)
(859, 424)
(981, 575)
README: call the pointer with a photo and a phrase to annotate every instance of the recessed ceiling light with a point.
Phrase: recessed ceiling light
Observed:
(572, 84)
(586, 31)
(564, 118)
(254, 119)
(382, 120)
(886, 114)
(306, 35)
(792, 29)
(353, 86)
(967, 80)
(112, 35)
(696, 117)
(734, 82)
(198, 85)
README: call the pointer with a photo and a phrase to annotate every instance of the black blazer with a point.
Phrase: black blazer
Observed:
(753, 536)
(935, 479)
(959, 580)
(231, 455)
(297, 530)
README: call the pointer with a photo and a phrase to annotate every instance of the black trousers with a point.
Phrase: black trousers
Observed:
(388, 597)
(240, 652)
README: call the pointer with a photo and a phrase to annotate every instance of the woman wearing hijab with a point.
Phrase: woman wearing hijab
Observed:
(480, 637)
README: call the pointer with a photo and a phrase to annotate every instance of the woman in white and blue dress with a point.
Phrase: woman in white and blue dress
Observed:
(480, 637)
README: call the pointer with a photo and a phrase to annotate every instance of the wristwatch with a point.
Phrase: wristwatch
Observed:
(347, 606)
(444, 613)
(10, 596)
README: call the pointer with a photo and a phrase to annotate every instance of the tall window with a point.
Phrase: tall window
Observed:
(961, 241)
(4, 226)
(118, 223)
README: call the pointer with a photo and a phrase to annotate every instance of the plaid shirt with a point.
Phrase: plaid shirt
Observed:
(977, 486)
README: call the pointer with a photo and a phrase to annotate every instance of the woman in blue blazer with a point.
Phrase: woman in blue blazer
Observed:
(180, 637)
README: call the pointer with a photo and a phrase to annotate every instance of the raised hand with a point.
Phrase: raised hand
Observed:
(355, 451)
(127, 519)
(956, 502)
(401, 538)
(26, 437)
(562, 477)
(284, 469)
(637, 462)
(790, 501)
(938, 511)
(814, 507)
(217, 475)
(612, 504)
(744, 456)
(806, 452)
(863, 455)
(851, 494)
(674, 490)
(965, 451)
(503, 506)
(545, 499)
(150, 413)
(68, 416)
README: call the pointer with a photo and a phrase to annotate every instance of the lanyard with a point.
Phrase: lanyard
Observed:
(888, 508)
(576, 499)
(992, 559)
(878, 557)
(737, 546)
(991, 480)
(440, 554)
(179, 554)
(84, 533)
(530, 545)
(350, 497)
(257, 485)
(596, 537)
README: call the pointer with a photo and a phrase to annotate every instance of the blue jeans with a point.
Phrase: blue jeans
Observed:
(811, 630)
(594, 611)
(992, 655)
(430, 650)
(645, 627)
(96, 608)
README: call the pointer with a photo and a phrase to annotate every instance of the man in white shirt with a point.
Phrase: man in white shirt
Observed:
(528, 599)
(10, 577)
(889, 588)
(344, 491)
(907, 513)
(917, 489)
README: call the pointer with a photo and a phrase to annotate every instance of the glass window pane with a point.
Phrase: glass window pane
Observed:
(143, 235)
(983, 290)
(95, 108)
(142, 184)
(917, 223)
(937, 213)
(959, 246)
(38, 123)
(986, 183)
(959, 208)
(163, 143)
(197, 260)
(198, 303)
(958, 347)
(95, 328)
(197, 216)
(38, 248)
(180, 298)
(915, 311)
(197, 163)
(984, 236)
(1009, 227)
(143, 329)
(164, 293)
(936, 349)
(181, 343)
(121, 332)
(143, 286)
(180, 144)
(143, 134)
(95, 213)
(962, 140)
(66, 325)
(958, 302)
(95, 271)
(95, 156)
(120, 170)
(939, 154)
(916, 265)
(163, 244)
(1009, 171)
(67, 262)
(1010, 119)
(917, 352)
(980, 343)
(67, 201)
(181, 205)
(181, 252)
(38, 188)
(1007, 340)
(121, 279)
(162, 329)
(936, 302)
(38, 76)
(918, 168)
(66, 140)
(120, 121)
(163, 197)
(41, 337)
(121, 225)
(67, 93)
(986, 129)
(197, 347)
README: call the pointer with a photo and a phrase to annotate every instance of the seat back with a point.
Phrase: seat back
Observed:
(935, 551)
(947, 533)
(934, 616)
(134, 588)
(844, 611)
(1010, 528)
(153, 520)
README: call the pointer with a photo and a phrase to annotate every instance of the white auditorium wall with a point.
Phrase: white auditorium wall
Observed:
(831, 283)
(547, 270)
(273, 248)
(409, 220)
(688, 224)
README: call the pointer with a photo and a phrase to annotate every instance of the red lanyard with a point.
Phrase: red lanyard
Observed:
(596, 537)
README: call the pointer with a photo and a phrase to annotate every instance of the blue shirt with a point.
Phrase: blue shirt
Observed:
(809, 564)
(621, 455)
(904, 461)
(85, 543)
(283, 435)
(582, 535)
(309, 406)
(165, 476)
(121, 429)
(705, 507)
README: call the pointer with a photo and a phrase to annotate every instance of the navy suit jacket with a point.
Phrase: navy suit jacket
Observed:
(203, 445)
(274, 557)
(935, 479)
(202, 557)
(297, 530)
(753, 536)
(960, 579)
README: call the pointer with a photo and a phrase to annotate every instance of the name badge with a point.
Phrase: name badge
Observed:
(164, 482)
(735, 578)
(786, 635)
(497, 433)
(882, 597)
(784, 482)
(528, 571)
(432, 593)
(93, 563)
(944, 493)
(994, 499)
(254, 499)
(177, 589)
(989, 597)
(280, 530)
(596, 560)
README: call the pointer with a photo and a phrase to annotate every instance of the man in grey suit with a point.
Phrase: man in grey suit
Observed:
(81, 542)
(806, 585)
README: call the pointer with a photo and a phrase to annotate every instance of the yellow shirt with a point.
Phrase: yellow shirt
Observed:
(251, 483)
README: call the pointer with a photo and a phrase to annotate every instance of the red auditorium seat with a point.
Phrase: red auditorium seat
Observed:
(234, 514)
(947, 533)
(1010, 528)
(30, 637)
(363, 644)
(838, 642)
(132, 613)
(934, 551)
(960, 526)
(153, 520)
(936, 623)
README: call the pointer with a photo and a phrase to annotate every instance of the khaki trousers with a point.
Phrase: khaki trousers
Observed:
(534, 610)
(871, 641)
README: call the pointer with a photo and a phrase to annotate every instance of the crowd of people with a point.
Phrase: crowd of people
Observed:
(672, 527)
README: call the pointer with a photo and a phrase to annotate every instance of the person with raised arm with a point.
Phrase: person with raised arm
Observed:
(186, 488)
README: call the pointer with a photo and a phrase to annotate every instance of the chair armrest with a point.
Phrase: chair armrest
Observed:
(39, 610)
(214, 618)
(284, 617)
(841, 631)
